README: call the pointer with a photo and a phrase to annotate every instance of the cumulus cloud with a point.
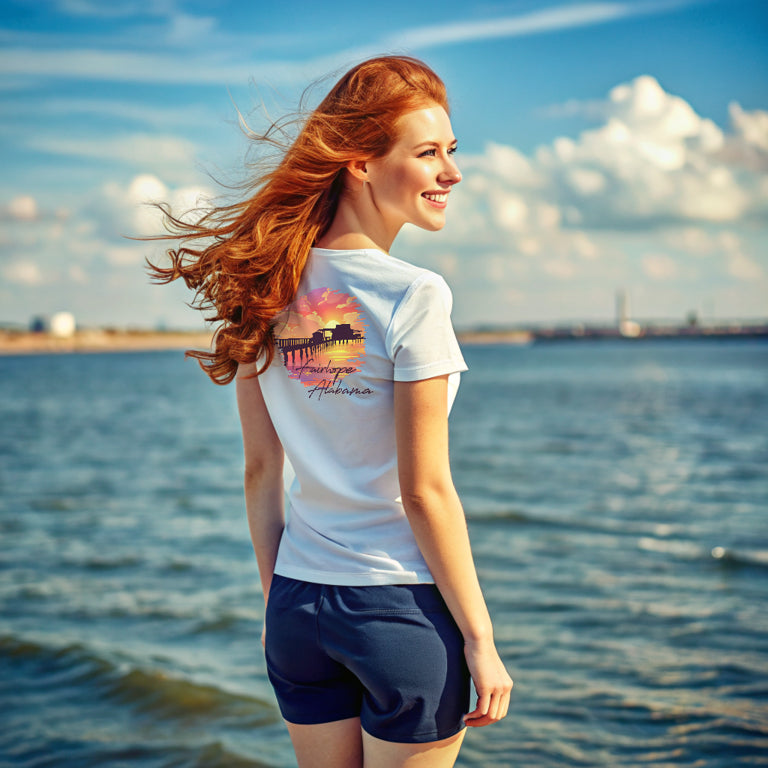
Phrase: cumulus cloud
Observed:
(20, 208)
(87, 246)
(654, 194)
(653, 162)
(744, 268)
(659, 266)
(642, 197)
(653, 165)
(131, 209)
(748, 146)
(23, 208)
(24, 272)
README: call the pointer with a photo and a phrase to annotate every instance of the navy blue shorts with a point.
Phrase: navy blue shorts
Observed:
(390, 655)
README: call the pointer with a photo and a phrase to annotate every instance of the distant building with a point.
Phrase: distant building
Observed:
(626, 327)
(622, 308)
(62, 325)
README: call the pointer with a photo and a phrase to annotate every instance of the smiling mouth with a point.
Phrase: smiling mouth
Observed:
(435, 197)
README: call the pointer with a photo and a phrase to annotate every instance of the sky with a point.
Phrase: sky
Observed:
(606, 147)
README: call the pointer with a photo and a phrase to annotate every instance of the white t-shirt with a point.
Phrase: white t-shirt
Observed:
(361, 320)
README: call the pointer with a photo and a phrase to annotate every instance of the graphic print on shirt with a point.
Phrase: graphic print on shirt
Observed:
(320, 339)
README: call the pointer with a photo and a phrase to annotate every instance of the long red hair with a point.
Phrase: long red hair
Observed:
(244, 261)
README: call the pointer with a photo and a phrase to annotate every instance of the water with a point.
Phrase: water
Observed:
(617, 497)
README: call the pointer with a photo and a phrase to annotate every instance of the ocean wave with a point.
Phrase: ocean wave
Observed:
(688, 550)
(103, 562)
(86, 753)
(149, 692)
(588, 524)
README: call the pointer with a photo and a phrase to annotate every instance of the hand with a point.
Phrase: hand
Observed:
(492, 683)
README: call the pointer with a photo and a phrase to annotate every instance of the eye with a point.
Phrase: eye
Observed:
(452, 150)
(428, 153)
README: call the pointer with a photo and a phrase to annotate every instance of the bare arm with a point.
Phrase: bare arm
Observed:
(437, 519)
(263, 475)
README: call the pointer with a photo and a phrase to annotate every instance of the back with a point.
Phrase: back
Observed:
(361, 320)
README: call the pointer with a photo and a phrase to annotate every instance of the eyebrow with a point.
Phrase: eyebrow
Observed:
(433, 143)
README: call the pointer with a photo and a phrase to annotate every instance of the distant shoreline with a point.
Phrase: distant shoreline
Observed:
(96, 340)
(13, 342)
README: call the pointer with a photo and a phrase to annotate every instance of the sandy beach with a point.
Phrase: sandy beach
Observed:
(101, 340)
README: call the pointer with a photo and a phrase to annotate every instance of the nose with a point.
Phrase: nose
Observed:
(450, 173)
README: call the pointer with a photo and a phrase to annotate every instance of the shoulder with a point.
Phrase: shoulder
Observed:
(427, 288)
(390, 277)
(408, 279)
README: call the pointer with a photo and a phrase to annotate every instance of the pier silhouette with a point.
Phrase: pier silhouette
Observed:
(300, 348)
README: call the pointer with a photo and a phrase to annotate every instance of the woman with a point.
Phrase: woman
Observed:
(346, 363)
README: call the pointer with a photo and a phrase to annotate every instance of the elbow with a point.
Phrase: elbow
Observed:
(425, 499)
(259, 471)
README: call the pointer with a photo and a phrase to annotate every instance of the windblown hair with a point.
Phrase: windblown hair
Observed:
(244, 261)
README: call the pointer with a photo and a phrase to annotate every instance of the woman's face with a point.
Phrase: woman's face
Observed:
(411, 183)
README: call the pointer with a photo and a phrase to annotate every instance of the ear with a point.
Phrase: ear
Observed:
(358, 170)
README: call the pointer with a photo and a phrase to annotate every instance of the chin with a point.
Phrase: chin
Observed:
(432, 226)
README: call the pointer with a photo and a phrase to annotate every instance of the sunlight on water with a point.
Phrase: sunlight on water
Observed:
(616, 498)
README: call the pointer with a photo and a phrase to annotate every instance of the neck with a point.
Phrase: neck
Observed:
(357, 224)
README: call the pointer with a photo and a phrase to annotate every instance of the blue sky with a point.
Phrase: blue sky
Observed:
(605, 146)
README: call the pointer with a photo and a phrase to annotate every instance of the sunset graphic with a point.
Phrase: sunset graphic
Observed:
(320, 339)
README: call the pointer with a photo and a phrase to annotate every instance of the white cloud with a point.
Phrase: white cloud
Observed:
(24, 272)
(114, 8)
(22, 208)
(693, 240)
(86, 245)
(743, 268)
(185, 28)
(506, 163)
(128, 66)
(650, 192)
(583, 246)
(587, 181)
(562, 269)
(124, 255)
(183, 66)
(153, 115)
(729, 241)
(751, 127)
(529, 245)
(652, 163)
(536, 22)
(659, 266)
(131, 210)
(748, 146)
(77, 274)
(138, 150)
(510, 211)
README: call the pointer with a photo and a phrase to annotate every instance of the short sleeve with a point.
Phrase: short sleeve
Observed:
(420, 340)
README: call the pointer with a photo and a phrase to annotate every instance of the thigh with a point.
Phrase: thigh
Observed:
(378, 753)
(328, 745)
